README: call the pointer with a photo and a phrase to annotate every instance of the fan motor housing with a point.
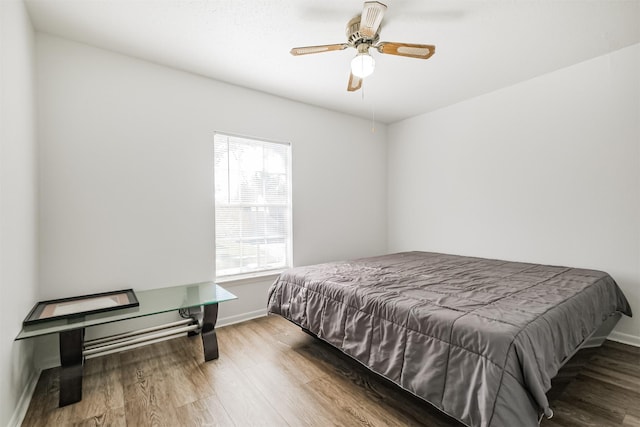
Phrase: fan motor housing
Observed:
(354, 38)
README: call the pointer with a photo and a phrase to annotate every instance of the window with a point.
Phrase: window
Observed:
(253, 205)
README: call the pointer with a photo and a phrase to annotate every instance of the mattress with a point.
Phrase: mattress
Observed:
(480, 339)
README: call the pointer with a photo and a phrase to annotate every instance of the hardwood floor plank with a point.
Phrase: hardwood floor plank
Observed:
(276, 323)
(143, 362)
(110, 362)
(244, 403)
(204, 412)
(231, 345)
(43, 400)
(112, 418)
(101, 392)
(618, 347)
(573, 415)
(604, 399)
(187, 382)
(632, 418)
(256, 345)
(597, 412)
(631, 421)
(618, 362)
(293, 361)
(54, 417)
(147, 402)
(346, 410)
(613, 377)
(286, 394)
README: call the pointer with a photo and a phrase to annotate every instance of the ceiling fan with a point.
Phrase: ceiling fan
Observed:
(363, 34)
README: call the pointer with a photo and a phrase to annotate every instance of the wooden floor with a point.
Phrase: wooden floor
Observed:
(270, 373)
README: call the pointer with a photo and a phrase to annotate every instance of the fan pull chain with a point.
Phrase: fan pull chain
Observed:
(373, 118)
(373, 111)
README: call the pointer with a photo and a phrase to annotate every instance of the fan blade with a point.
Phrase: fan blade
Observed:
(355, 83)
(371, 18)
(318, 49)
(421, 51)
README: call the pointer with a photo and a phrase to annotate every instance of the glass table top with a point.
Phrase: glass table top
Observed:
(154, 301)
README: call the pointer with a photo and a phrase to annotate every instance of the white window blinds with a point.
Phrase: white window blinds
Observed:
(252, 205)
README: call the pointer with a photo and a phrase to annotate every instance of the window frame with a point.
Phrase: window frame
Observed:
(244, 276)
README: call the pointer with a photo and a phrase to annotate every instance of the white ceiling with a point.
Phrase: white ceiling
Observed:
(481, 45)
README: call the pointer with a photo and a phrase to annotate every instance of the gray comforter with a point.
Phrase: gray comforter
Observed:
(480, 339)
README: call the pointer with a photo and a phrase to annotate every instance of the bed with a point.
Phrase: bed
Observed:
(480, 339)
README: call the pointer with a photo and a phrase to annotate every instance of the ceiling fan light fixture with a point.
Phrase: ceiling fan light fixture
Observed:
(363, 34)
(362, 65)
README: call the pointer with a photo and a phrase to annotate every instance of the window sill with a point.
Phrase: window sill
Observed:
(242, 279)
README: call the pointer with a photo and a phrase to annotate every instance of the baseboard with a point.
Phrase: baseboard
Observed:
(25, 399)
(242, 317)
(633, 340)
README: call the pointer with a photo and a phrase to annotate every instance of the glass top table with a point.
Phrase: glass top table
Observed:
(154, 301)
(199, 300)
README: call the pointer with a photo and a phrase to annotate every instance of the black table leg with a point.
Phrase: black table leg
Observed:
(71, 361)
(209, 338)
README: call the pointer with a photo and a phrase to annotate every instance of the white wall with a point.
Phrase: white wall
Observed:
(126, 169)
(544, 171)
(18, 208)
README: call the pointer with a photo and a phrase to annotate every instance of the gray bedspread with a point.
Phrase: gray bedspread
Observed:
(479, 339)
